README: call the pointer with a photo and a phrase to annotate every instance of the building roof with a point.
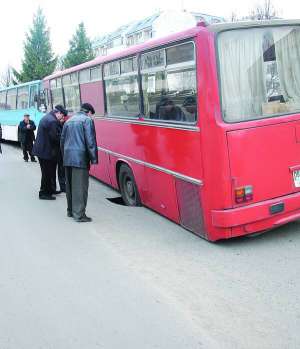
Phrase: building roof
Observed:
(143, 24)
(147, 22)
(126, 29)
(108, 37)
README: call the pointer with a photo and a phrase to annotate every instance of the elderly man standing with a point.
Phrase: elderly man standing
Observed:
(27, 137)
(46, 148)
(79, 149)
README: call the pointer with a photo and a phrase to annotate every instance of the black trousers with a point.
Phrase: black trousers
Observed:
(27, 149)
(48, 169)
(61, 172)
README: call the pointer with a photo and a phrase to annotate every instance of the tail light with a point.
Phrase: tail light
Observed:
(243, 194)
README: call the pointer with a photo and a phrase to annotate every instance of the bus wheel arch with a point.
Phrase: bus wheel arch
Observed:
(127, 184)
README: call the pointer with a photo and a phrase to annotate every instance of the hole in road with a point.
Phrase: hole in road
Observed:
(118, 200)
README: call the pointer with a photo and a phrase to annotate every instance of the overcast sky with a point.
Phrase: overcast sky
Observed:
(63, 17)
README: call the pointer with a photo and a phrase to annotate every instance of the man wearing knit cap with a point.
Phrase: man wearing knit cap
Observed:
(46, 148)
(79, 148)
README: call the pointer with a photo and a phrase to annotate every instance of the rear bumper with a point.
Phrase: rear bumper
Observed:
(257, 217)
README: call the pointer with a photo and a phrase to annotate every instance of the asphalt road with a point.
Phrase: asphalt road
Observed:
(132, 279)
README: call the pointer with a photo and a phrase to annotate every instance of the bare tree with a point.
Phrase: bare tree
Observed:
(7, 77)
(263, 11)
(233, 17)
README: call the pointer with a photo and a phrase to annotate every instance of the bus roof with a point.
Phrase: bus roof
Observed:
(20, 85)
(219, 27)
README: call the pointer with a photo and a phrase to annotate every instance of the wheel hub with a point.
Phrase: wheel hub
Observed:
(130, 189)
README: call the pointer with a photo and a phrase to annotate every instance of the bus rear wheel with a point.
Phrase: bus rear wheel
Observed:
(128, 187)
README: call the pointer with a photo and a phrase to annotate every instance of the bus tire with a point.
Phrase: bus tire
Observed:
(128, 187)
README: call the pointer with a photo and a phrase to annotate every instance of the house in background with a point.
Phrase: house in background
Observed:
(157, 25)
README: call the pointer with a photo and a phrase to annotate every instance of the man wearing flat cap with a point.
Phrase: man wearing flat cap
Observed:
(79, 148)
(46, 148)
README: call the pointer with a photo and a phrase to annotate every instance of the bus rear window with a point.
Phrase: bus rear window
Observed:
(259, 72)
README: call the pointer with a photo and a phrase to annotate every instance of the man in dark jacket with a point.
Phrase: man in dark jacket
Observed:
(79, 149)
(27, 137)
(46, 148)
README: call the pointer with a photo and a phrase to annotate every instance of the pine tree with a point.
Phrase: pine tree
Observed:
(80, 49)
(39, 60)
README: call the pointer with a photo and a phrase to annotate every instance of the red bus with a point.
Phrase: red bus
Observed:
(202, 126)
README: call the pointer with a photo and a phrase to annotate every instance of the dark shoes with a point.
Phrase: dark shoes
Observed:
(26, 160)
(47, 197)
(57, 192)
(33, 160)
(83, 219)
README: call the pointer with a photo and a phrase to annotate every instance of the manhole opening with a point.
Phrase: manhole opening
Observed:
(117, 201)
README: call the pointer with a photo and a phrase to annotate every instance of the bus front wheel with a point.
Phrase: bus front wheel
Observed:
(128, 187)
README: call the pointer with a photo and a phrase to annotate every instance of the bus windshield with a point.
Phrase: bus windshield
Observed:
(259, 72)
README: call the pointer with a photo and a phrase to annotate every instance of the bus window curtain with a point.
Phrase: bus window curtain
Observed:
(242, 79)
(287, 47)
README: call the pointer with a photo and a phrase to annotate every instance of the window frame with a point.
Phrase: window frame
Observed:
(96, 67)
(85, 81)
(16, 95)
(5, 99)
(111, 76)
(173, 68)
(56, 88)
(218, 65)
(27, 87)
(69, 84)
(120, 75)
(32, 89)
(152, 69)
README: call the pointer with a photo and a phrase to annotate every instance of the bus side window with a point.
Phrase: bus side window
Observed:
(71, 91)
(33, 94)
(11, 101)
(56, 92)
(23, 97)
(2, 100)
(122, 88)
(169, 90)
